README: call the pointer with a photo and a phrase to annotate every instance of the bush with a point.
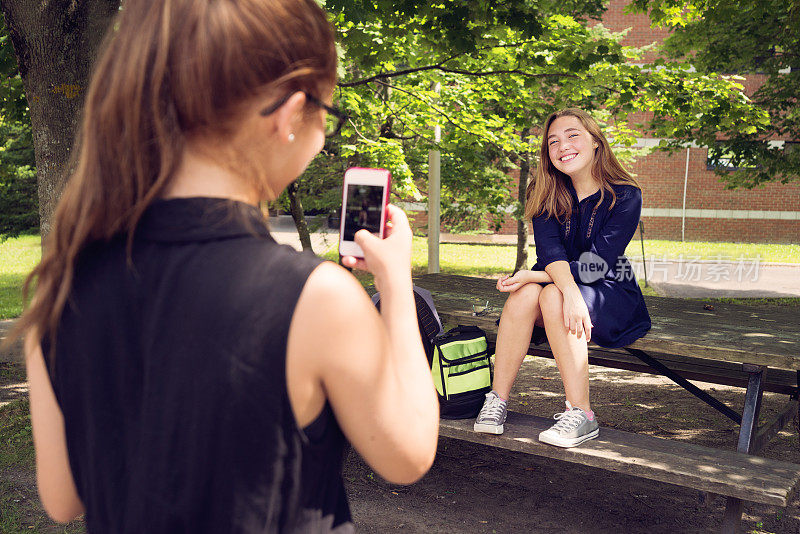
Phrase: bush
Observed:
(19, 204)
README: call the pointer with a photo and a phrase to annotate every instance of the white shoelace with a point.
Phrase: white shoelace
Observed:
(492, 409)
(568, 420)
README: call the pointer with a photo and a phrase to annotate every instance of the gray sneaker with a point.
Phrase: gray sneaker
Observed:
(573, 428)
(492, 416)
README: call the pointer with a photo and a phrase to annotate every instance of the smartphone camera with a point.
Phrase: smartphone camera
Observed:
(365, 196)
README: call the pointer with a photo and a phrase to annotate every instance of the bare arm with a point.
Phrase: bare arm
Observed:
(370, 366)
(561, 275)
(509, 284)
(53, 474)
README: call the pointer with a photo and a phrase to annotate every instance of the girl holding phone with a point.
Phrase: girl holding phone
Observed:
(187, 373)
(585, 209)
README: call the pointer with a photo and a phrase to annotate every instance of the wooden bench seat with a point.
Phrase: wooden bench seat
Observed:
(733, 474)
(757, 348)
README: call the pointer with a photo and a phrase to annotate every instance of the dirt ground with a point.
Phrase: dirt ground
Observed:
(477, 489)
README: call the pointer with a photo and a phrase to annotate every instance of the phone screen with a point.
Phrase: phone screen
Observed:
(363, 209)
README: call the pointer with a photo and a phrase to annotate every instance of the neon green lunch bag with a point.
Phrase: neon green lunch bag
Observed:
(462, 371)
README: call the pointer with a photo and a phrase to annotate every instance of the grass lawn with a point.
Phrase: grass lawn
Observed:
(17, 258)
(659, 248)
(493, 260)
(15, 428)
(20, 508)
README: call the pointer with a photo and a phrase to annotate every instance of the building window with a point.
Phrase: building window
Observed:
(720, 158)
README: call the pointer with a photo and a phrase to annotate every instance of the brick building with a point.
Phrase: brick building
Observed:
(707, 211)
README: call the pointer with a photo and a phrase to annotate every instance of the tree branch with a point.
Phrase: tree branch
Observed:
(405, 126)
(385, 75)
(447, 117)
(441, 68)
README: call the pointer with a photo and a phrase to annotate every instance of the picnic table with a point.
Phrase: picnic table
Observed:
(755, 348)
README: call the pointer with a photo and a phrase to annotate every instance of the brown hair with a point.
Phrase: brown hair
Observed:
(548, 192)
(170, 71)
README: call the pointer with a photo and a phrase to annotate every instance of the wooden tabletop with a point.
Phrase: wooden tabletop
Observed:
(760, 335)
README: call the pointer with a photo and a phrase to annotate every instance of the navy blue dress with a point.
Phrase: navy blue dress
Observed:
(593, 240)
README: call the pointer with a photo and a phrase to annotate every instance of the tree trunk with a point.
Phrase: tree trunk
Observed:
(522, 224)
(296, 207)
(55, 42)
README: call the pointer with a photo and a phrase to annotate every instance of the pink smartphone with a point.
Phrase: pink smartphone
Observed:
(365, 195)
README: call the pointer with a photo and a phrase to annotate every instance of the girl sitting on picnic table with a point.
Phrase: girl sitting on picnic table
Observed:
(585, 210)
(187, 373)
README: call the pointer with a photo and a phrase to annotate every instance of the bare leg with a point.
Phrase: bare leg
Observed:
(571, 353)
(520, 312)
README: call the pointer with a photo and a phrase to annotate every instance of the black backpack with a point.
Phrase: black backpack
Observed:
(430, 326)
(460, 363)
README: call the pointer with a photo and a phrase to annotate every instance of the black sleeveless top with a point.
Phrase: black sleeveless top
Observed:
(171, 374)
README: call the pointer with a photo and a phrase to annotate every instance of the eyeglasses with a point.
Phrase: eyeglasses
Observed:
(334, 118)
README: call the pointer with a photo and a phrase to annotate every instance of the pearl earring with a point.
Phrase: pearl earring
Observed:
(291, 138)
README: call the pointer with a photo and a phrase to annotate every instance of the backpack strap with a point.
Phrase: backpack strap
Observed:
(428, 320)
(428, 298)
(441, 357)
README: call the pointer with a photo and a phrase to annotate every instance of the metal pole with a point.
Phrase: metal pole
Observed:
(644, 260)
(732, 519)
(434, 186)
(685, 182)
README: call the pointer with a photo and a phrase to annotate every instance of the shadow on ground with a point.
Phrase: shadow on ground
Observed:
(476, 489)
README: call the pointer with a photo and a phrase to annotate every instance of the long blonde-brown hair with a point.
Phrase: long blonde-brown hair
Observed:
(169, 70)
(548, 192)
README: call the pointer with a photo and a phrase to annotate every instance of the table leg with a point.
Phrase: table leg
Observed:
(685, 384)
(731, 522)
(797, 394)
(771, 428)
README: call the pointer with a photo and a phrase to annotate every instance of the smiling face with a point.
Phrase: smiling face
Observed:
(571, 147)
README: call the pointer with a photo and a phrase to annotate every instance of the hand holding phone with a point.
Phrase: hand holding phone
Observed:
(365, 197)
(388, 259)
